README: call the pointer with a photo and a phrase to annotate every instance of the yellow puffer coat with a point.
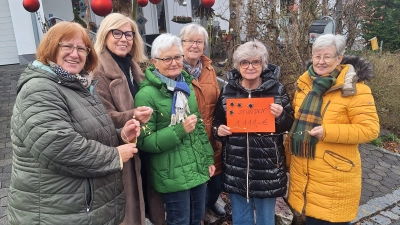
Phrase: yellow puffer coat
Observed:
(329, 187)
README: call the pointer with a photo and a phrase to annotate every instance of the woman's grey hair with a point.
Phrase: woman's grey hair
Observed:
(327, 40)
(164, 42)
(194, 29)
(251, 49)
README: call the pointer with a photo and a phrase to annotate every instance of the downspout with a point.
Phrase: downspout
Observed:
(35, 29)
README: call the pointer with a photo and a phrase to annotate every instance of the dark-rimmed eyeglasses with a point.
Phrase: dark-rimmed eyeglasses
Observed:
(325, 58)
(191, 42)
(69, 48)
(245, 64)
(168, 60)
(117, 34)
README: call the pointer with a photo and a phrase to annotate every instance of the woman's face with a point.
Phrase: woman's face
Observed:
(72, 61)
(253, 70)
(118, 43)
(193, 47)
(173, 68)
(325, 60)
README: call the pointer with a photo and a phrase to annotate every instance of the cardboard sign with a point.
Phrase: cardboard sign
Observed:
(250, 115)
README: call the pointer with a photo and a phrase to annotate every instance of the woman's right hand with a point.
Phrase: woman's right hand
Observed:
(143, 113)
(127, 151)
(224, 130)
(190, 123)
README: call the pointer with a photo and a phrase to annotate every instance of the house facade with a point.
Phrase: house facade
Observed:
(21, 31)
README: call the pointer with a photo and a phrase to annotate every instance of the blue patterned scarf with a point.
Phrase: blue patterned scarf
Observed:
(180, 107)
(194, 71)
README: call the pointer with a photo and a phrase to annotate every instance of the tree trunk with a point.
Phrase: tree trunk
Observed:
(123, 7)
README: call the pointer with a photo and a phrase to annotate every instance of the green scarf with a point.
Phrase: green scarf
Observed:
(301, 143)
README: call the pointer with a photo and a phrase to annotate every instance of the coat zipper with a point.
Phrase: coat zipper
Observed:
(88, 195)
(248, 168)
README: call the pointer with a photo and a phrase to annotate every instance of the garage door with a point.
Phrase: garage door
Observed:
(8, 46)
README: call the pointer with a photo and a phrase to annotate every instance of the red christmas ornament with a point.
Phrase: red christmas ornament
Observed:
(207, 3)
(31, 5)
(142, 3)
(155, 2)
(101, 7)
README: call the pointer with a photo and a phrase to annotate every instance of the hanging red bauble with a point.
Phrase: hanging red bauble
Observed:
(142, 3)
(207, 3)
(31, 5)
(155, 2)
(101, 7)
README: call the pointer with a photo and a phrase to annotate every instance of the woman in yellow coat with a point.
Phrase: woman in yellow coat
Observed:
(334, 112)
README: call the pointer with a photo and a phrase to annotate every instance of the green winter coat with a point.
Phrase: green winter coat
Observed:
(63, 170)
(178, 161)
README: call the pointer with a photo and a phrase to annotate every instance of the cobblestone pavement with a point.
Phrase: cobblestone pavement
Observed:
(380, 200)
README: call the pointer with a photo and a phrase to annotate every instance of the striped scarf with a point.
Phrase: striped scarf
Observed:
(180, 107)
(300, 142)
(194, 71)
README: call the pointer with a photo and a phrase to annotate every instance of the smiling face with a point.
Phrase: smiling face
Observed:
(121, 47)
(325, 60)
(174, 68)
(251, 74)
(72, 62)
(193, 51)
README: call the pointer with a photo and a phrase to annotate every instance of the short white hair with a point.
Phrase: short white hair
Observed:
(164, 42)
(251, 49)
(194, 29)
(327, 40)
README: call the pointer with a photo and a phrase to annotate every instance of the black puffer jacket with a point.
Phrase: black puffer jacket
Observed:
(265, 157)
(63, 170)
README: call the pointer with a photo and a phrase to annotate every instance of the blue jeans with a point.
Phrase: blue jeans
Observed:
(243, 212)
(313, 221)
(214, 188)
(185, 207)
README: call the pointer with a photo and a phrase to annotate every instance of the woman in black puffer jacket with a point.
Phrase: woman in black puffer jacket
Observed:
(253, 163)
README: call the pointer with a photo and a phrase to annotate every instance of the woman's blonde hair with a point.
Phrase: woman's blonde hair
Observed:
(115, 21)
(65, 31)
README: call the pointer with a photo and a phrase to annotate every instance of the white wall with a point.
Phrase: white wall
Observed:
(23, 29)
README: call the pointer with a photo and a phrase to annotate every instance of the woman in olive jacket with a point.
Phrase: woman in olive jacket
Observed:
(253, 176)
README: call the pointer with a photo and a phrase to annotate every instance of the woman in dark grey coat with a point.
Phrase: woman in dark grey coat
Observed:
(64, 170)
(253, 163)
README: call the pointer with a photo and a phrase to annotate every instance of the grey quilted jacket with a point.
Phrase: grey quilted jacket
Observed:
(63, 170)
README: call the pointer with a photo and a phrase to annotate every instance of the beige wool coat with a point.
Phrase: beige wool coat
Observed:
(114, 90)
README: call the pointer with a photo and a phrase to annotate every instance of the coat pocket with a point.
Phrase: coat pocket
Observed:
(338, 162)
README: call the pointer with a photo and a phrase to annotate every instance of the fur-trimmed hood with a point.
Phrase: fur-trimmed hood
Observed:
(362, 67)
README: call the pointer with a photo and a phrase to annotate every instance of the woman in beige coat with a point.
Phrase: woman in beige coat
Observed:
(120, 48)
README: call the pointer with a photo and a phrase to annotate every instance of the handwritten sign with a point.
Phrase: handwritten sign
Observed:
(250, 115)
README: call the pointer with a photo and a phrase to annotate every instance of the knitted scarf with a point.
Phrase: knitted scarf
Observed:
(180, 107)
(194, 71)
(65, 74)
(300, 142)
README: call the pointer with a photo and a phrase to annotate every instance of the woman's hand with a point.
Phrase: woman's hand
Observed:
(127, 151)
(276, 110)
(211, 170)
(224, 130)
(143, 113)
(131, 130)
(317, 132)
(190, 123)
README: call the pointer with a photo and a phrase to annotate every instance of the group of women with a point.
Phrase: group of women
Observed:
(81, 116)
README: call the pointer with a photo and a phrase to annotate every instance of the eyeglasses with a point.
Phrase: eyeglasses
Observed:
(325, 58)
(117, 34)
(69, 48)
(191, 42)
(168, 60)
(245, 64)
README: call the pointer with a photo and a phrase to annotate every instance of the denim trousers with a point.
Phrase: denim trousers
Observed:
(243, 212)
(314, 221)
(214, 188)
(185, 207)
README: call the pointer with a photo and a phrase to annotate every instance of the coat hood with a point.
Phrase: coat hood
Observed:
(38, 70)
(362, 67)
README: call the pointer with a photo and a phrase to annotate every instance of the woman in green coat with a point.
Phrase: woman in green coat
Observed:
(181, 157)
